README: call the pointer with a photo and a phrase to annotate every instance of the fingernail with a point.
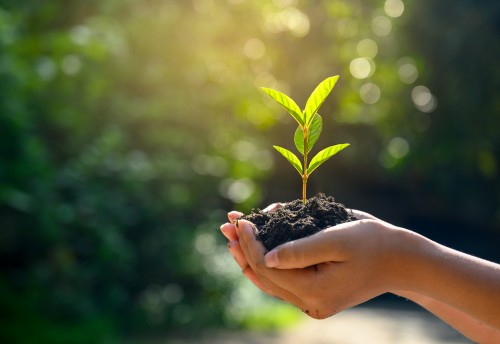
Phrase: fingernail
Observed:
(271, 259)
(240, 226)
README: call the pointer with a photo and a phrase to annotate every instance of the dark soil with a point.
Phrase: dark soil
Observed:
(295, 220)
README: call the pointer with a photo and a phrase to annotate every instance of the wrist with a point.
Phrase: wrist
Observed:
(405, 258)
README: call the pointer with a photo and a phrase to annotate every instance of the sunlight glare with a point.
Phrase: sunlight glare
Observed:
(290, 19)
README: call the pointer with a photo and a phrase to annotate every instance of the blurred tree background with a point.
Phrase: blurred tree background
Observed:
(129, 128)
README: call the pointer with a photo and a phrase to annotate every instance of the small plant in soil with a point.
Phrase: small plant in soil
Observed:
(304, 217)
(308, 131)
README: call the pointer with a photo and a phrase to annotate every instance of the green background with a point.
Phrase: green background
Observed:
(129, 128)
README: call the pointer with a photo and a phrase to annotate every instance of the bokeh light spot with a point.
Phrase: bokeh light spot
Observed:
(205, 244)
(80, 34)
(290, 19)
(238, 191)
(367, 48)
(71, 64)
(394, 8)
(398, 147)
(244, 150)
(407, 70)
(423, 99)
(46, 68)
(209, 165)
(421, 95)
(361, 68)
(369, 93)
(381, 26)
(254, 49)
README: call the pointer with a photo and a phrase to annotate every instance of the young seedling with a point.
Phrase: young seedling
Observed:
(308, 131)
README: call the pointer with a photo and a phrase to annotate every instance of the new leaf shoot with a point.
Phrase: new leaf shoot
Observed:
(308, 131)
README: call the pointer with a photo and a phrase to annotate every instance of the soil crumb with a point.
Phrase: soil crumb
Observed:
(296, 220)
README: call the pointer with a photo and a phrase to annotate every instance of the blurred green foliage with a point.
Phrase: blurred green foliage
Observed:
(129, 127)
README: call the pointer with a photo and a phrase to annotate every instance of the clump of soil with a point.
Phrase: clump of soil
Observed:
(296, 220)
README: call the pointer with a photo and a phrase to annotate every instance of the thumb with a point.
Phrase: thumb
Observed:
(315, 249)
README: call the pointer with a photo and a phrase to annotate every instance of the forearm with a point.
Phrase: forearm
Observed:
(462, 322)
(466, 283)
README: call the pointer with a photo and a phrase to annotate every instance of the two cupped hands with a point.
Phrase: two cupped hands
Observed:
(323, 274)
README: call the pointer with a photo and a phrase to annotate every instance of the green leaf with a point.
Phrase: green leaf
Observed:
(313, 134)
(318, 97)
(324, 155)
(292, 158)
(287, 103)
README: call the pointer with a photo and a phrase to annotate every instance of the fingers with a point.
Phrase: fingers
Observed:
(228, 228)
(233, 216)
(229, 231)
(271, 279)
(361, 215)
(235, 249)
(254, 251)
(273, 207)
(298, 254)
(250, 274)
(237, 253)
(249, 255)
(324, 246)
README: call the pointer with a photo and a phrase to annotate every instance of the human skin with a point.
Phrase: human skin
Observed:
(365, 258)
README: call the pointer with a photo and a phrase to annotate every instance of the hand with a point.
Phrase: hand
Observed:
(267, 285)
(386, 258)
(350, 264)
(229, 231)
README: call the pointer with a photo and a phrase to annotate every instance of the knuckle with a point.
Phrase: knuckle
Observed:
(245, 270)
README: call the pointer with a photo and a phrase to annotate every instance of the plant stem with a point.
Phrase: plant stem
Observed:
(304, 189)
(304, 175)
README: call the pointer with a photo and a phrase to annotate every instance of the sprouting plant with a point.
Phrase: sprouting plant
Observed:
(308, 131)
